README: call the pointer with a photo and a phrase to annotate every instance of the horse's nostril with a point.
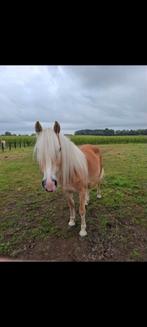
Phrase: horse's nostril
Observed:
(54, 180)
(43, 183)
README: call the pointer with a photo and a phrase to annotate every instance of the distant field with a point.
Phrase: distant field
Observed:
(23, 141)
(82, 139)
(33, 223)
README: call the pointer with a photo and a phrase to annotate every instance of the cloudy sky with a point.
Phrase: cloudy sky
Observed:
(79, 97)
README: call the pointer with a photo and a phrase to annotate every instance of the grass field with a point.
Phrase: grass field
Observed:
(33, 223)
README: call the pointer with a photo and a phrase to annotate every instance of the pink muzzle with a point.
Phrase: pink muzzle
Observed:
(49, 184)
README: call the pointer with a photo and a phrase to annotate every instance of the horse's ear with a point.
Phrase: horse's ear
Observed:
(38, 127)
(57, 127)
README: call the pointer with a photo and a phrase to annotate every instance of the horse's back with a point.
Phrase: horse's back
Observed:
(88, 148)
(94, 160)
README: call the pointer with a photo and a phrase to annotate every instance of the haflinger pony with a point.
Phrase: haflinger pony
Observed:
(3, 144)
(75, 169)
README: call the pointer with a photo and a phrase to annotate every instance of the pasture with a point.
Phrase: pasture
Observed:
(34, 224)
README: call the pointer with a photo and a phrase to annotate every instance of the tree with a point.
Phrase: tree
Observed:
(7, 133)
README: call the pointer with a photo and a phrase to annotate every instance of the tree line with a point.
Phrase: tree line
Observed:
(111, 132)
(11, 134)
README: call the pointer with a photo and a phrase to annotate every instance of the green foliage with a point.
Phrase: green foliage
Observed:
(91, 139)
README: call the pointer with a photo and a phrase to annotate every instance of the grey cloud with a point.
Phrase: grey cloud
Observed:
(77, 96)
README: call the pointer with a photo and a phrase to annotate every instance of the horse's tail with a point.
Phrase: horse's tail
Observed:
(98, 152)
(101, 174)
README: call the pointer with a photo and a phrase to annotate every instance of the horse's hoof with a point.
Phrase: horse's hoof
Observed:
(99, 196)
(71, 223)
(83, 233)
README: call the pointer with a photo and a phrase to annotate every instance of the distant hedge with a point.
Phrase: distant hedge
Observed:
(91, 139)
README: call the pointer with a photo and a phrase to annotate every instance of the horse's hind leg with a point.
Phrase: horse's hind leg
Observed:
(87, 198)
(99, 195)
(71, 205)
(99, 184)
(82, 212)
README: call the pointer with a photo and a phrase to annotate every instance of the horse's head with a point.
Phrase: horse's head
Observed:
(48, 152)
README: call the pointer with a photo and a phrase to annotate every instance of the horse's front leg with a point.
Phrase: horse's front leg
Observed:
(71, 205)
(82, 212)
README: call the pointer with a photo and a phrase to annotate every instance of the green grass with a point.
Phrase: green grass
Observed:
(117, 222)
(135, 255)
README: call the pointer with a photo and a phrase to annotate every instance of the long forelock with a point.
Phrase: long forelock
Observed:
(46, 147)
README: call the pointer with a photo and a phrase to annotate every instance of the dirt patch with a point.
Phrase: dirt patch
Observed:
(121, 243)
